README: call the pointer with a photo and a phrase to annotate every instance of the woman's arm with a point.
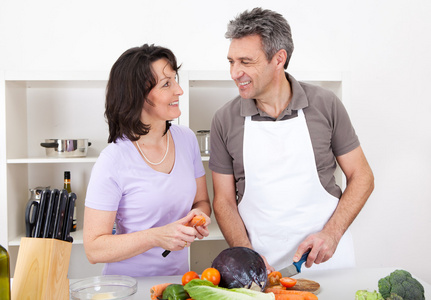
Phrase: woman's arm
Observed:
(202, 206)
(101, 246)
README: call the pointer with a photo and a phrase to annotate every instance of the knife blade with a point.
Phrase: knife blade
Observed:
(294, 268)
(60, 213)
(41, 213)
(49, 220)
(67, 225)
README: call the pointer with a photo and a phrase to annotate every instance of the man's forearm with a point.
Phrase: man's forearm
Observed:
(359, 188)
(231, 224)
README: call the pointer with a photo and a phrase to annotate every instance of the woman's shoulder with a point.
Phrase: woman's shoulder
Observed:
(182, 130)
(116, 149)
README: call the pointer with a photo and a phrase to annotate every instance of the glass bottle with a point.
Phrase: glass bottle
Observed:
(68, 188)
(4, 274)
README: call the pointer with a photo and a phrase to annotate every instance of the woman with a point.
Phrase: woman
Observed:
(150, 179)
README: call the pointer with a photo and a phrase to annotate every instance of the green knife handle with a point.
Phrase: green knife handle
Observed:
(299, 263)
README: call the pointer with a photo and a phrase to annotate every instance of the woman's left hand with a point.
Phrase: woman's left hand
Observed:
(201, 231)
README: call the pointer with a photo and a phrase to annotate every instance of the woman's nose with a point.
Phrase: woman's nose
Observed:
(179, 90)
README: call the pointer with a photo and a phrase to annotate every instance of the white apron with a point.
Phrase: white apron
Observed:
(284, 201)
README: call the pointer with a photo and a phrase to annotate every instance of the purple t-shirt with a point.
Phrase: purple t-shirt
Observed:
(144, 198)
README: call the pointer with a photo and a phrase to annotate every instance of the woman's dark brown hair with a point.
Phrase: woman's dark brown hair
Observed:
(130, 81)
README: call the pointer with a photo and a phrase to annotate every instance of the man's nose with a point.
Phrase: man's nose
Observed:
(236, 71)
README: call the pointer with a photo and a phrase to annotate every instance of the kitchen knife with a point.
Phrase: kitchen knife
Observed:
(60, 213)
(41, 213)
(294, 268)
(31, 217)
(67, 225)
(50, 214)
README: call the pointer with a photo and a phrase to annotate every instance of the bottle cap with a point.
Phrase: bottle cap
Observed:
(67, 175)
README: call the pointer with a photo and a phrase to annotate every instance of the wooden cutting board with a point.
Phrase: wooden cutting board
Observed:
(306, 285)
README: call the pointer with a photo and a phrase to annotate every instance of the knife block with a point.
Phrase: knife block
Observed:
(41, 270)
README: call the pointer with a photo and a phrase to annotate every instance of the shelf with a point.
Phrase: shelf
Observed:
(45, 160)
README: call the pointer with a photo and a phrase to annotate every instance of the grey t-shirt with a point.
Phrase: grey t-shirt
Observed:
(331, 132)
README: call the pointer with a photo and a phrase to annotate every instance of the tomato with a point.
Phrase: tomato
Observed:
(274, 278)
(212, 275)
(287, 281)
(189, 276)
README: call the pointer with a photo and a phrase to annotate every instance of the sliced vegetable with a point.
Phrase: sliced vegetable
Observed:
(197, 221)
(241, 267)
(188, 276)
(157, 290)
(175, 292)
(200, 289)
(212, 275)
(287, 281)
(274, 278)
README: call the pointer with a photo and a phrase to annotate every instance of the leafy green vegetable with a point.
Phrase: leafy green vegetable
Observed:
(175, 292)
(401, 283)
(200, 289)
(366, 295)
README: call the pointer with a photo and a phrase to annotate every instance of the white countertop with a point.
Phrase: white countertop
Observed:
(334, 284)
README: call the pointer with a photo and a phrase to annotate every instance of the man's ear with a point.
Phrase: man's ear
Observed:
(280, 57)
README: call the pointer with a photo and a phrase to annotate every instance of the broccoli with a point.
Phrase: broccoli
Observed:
(394, 297)
(401, 283)
(366, 295)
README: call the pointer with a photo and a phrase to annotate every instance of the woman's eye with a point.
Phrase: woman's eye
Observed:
(166, 84)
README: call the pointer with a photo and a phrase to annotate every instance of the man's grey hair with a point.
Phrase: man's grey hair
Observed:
(271, 26)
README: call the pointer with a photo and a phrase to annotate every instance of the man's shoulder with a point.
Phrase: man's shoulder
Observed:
(315, 91)
(230, 109)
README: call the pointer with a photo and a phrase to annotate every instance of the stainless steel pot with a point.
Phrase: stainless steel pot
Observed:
(66, 147)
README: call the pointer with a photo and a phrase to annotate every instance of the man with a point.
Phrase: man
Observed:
(274, 150)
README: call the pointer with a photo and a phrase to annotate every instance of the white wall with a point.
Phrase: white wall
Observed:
(384, 48)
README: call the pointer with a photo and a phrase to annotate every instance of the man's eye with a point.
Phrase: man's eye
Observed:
(245, 62)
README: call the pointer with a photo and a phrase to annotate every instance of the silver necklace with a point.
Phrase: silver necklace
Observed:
(166, 154)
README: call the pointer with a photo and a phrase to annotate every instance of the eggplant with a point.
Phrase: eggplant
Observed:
(241, 267)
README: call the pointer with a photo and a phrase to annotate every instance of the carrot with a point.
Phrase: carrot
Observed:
(274, 289)
(157, 290)
(303, 294)
(197, 221)
(306, 295)
(288, 297)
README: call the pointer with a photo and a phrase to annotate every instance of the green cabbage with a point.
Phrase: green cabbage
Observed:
(200, 289)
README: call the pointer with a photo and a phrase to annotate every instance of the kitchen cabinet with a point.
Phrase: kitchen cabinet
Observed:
(35, 106)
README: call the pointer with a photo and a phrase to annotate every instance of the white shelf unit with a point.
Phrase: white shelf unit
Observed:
(35, 106)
